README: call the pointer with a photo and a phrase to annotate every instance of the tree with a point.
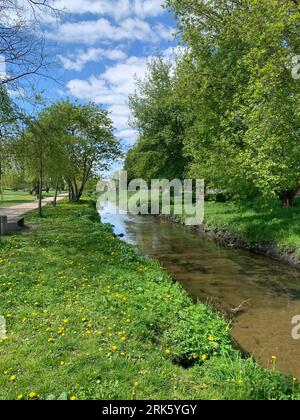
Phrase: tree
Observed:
(246, 135)
(8, 127)
(89, 143)
(42, 150)
(158, 117)
(22, 47)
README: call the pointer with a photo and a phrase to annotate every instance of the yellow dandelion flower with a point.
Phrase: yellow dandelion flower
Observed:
(13, 378)
(136, 383)
(211, 338)
(33, 395)
(274, 358)
(204, 357)
(114, 347)
(123, 338)
(168, 351)
(195, 356)
(20, 397)
(73, 398)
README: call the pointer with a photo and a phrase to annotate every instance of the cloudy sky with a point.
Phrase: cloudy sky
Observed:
(101, 46)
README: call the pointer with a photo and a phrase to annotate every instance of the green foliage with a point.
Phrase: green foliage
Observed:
(240, 86)
(8, 126)
(89, 144)
(198, 335)
(68, 141)
(243, 379)
(158, 117)
(228, 111)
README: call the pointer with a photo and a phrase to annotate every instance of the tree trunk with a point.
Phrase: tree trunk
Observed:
(41, 191)
(55, 195)
(288, 198)
(75, 193)
(37, 189)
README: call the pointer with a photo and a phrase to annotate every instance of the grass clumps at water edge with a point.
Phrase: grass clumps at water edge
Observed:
(87, 318)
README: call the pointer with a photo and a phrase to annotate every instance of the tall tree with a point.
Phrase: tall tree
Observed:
(240, 89)
(8, 126)
(158, 117)
(89, 142)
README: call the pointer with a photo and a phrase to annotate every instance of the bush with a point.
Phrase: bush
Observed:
(198, 335)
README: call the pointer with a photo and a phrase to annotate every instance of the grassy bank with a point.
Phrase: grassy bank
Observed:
(87, 318)
(253, 224)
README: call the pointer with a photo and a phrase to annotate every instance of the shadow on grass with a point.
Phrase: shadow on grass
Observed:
(268, 223)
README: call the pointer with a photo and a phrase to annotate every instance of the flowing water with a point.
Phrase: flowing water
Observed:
(226, 278)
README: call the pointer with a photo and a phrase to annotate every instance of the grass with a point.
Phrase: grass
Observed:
(87, 318)
(256, 223)
(11, 198)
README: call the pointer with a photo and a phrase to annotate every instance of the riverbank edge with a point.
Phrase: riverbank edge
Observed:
(228, 239)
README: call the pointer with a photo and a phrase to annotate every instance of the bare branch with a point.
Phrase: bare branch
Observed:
(21, 44)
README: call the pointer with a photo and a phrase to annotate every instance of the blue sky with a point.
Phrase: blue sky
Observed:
(100, 46)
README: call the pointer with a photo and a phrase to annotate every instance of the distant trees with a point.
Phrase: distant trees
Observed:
(235, 105)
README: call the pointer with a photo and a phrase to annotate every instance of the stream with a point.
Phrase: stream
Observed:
(226, 278)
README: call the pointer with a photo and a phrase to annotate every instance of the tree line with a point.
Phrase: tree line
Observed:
(228, 109)
(62, 144)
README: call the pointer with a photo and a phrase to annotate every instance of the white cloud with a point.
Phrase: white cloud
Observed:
(129, 136)
(76, 61)
(111, 89)
(116, 9)
(89, 32)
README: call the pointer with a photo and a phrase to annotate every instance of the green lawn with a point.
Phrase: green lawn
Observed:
(258, 223)
(88, 318)
(11, 198)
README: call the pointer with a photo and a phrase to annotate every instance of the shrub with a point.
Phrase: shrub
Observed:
(198, 335)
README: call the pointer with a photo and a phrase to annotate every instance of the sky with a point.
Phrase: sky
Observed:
(100, 47)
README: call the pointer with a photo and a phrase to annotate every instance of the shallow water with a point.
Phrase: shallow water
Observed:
(226, 278)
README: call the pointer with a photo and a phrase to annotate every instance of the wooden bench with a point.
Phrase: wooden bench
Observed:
(12, 224)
